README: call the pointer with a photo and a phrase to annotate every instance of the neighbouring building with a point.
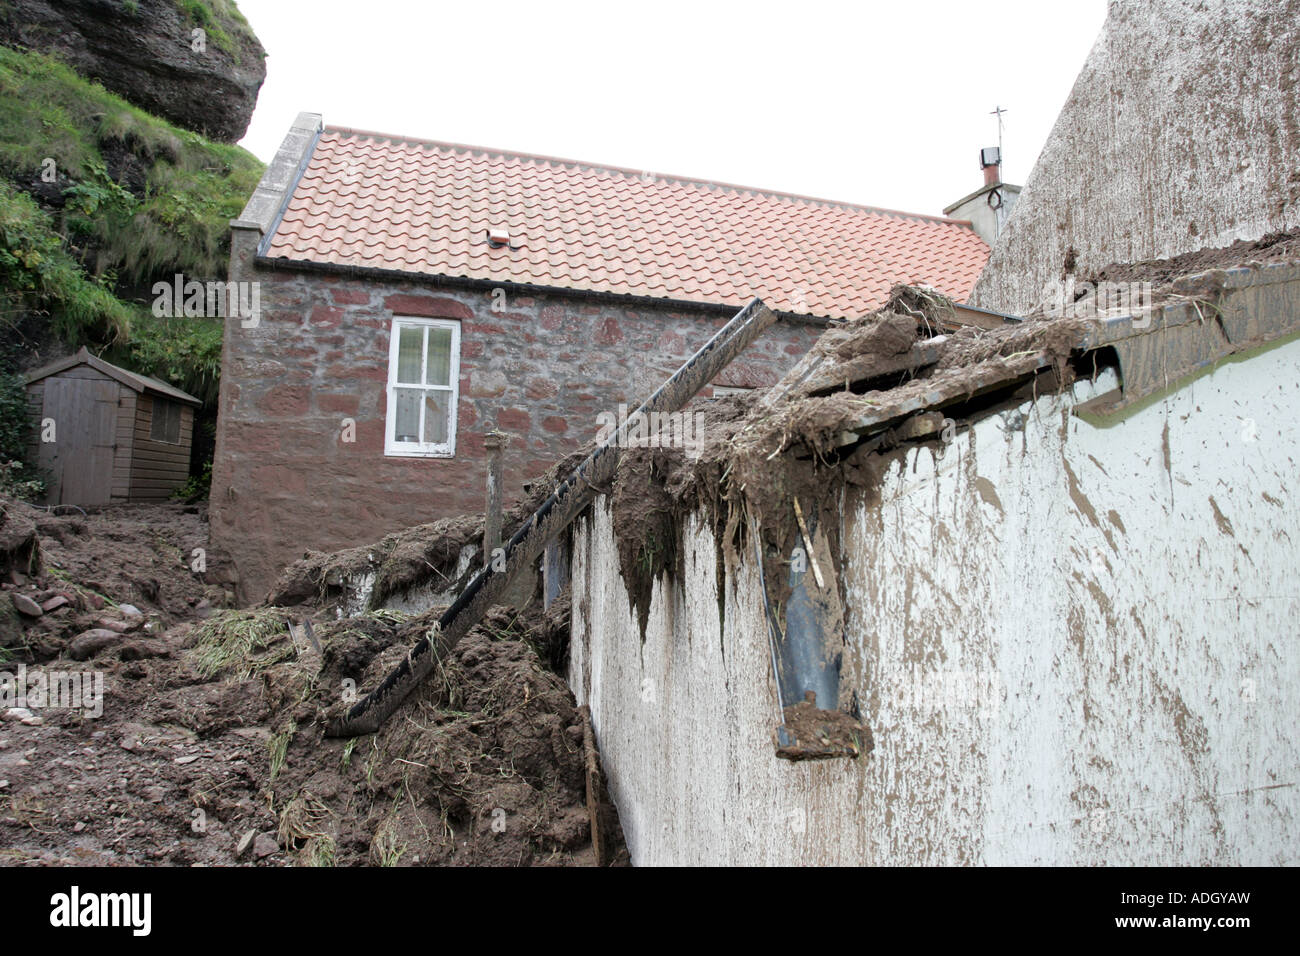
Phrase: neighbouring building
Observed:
(988, 208)
(104, 435)
(415, 295)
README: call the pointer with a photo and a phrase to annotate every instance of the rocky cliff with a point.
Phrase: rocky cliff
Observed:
(149, 53)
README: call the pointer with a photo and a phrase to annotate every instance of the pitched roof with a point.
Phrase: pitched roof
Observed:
(373, 201)
(132, 380)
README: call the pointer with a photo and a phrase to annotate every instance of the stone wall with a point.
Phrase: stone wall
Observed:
(541, 369)
(1181, 133)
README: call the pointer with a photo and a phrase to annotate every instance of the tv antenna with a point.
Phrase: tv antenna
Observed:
(998, 111)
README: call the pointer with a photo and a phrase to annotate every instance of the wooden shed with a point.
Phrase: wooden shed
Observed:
(105, 435)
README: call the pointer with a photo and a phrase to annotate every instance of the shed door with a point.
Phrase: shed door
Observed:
(80, 458)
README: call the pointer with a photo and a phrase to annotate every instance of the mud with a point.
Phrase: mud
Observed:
(166, 773)
(643, 513)
(208, 748)
(817, 734)
(398, 562)
(1275, 247)
(143, 556)
(483, 765)
(443, 555)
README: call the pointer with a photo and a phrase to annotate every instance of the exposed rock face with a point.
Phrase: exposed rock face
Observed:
(145, 52)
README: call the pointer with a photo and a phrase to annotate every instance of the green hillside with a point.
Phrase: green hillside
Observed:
(99, 199)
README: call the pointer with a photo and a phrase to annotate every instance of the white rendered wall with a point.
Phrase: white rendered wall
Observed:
(1073, 644)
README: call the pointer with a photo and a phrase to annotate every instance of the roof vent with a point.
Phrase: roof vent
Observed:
(498, 237)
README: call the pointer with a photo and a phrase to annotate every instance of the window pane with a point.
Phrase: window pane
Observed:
(439, 369)
(436, 408)
(410, 345)
(406, 423)
(166, 425)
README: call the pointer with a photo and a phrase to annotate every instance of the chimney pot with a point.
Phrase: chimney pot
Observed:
(991, 163)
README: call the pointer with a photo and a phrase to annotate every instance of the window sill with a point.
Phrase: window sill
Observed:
(419, 453)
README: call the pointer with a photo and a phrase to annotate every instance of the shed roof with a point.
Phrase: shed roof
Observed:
(371, 201)
(132, 380)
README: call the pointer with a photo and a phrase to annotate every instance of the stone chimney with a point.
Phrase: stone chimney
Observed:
(989, 207)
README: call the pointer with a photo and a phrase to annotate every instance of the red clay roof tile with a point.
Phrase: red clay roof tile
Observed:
(424, 207)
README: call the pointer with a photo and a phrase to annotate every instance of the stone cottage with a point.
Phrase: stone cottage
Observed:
(412, 296)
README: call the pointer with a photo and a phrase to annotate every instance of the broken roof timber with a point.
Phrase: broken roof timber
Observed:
(1208, 317)
(1211, 315)
(995, 373)
(821, 380)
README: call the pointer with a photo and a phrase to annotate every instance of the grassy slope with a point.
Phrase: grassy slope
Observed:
(216, 17)
(144, 200)
(192, 186)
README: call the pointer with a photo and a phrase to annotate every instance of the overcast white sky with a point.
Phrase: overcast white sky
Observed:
(885, 104)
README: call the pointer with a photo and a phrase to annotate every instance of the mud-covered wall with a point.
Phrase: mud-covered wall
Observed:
(1074, 643)
(540, 368)
(1182, 132)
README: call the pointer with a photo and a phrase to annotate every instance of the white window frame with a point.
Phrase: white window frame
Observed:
(402, 449)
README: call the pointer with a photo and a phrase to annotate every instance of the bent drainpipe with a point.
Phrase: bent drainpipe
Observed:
(570, 498)
(811, 653)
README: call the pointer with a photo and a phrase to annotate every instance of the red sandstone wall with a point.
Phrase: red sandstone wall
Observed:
(541, 370)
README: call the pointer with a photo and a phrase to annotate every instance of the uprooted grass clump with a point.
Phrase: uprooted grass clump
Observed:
(242, 643)
(304, 818)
